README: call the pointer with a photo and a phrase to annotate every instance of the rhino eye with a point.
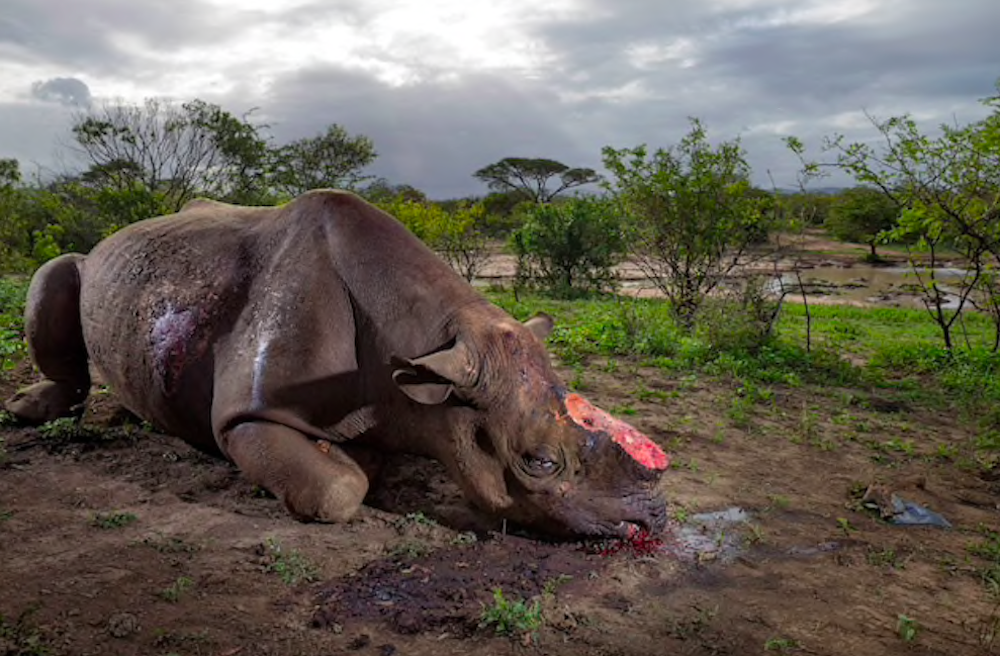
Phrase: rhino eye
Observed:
(540, 464)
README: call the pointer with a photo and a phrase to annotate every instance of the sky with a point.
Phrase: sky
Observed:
(445, 87)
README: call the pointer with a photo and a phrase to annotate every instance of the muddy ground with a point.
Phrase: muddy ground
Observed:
(125, 541)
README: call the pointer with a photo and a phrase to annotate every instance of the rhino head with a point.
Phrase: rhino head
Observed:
(524, 447)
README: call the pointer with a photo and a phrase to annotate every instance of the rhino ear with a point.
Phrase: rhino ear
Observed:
(432, 378)
(541, 325)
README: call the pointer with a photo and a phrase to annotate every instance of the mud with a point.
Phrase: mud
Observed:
(116, 539)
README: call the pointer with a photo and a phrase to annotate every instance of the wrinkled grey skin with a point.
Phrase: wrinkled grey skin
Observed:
(261, 333)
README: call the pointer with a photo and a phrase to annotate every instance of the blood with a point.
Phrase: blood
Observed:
(639, 447)
(638, 544)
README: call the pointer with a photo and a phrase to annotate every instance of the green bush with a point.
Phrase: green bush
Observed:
(569, 248)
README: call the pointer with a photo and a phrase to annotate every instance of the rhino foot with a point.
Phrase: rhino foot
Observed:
(45, 401)
(315, 484)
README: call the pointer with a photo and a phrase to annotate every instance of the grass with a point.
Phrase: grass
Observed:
(895, 349)
(13, 348)
(907, 628)
(113, 520)
(173, 592)
(290, 565)
(21, 637)
(511, 617)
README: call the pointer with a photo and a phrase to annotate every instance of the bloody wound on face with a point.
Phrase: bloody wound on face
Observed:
(639, 447)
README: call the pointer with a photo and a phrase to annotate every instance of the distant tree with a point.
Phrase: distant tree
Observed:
(692, 213)
(194, 148)
(381, 190)
(10, 173)
(862, 214)
(532, 177)
(333, 159)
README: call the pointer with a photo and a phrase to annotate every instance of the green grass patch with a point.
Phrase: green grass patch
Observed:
(13, 291)
(511, 617)
(893, 348)
(113, 520)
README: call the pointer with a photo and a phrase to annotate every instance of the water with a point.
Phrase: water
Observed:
(713, 536)
(864, 284)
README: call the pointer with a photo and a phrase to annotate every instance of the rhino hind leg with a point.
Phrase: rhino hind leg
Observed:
(315, 485)
(56, 344)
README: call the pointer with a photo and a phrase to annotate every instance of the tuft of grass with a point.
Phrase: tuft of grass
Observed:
(511, 617)
(67, 429)
(113, 520)
(290, 565)
(21, 637)
(409, 549)
(907, 628)
(781, 645)
(173, 592)
(886, 557)
(413, 519)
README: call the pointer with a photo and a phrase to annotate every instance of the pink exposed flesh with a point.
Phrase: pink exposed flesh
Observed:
(642, 449)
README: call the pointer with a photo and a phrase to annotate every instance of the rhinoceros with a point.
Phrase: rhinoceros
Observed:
(298, 341)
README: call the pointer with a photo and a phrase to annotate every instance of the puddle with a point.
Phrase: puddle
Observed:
(713, 536)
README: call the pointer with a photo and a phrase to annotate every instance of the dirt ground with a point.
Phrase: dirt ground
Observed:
(125, 541)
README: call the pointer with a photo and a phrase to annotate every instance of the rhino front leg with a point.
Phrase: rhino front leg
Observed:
(315, 485)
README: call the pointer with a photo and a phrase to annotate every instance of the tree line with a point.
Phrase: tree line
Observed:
(686, 214)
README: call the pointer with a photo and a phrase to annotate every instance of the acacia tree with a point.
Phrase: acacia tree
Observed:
(532, 177)
(179, 151)
(692, 215)
(949, 190)
(333, 159)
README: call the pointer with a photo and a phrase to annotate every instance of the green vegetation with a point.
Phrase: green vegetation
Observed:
(907, 628)
(290, 565)
(21, 637)
(569, 248)
(693, 214)
(173, 592)
(511, 617)
(113, 520)
(13, 291)
(781, 645)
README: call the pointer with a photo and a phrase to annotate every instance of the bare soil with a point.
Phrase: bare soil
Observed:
(197, 571)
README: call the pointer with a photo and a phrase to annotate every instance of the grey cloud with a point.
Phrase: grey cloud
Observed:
(750, 74)
(430, 135)
(90, 33)
(64, 90)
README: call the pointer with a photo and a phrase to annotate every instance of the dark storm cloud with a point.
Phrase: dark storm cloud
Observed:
(430, 135)
(64, 90)
(622, 72)
(92, 34)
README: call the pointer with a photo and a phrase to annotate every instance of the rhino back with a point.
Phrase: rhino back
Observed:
(156, 296)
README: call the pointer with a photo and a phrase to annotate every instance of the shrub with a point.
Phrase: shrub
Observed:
(569, 248)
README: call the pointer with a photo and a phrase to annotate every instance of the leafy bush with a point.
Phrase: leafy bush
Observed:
(569, 248)
(457, 236)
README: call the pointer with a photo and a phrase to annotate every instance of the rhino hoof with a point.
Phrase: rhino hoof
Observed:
(45, 401)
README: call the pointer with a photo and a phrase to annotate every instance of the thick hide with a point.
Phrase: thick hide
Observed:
(302, 341)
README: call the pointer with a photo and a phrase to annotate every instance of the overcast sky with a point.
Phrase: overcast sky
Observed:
(444, 87)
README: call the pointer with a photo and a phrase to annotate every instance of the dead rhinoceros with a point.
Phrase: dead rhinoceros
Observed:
(261, 333)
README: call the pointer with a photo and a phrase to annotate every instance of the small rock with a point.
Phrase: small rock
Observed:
(387, 650)
(122, 625)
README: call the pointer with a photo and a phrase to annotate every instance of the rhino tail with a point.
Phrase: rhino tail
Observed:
(55, 341)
